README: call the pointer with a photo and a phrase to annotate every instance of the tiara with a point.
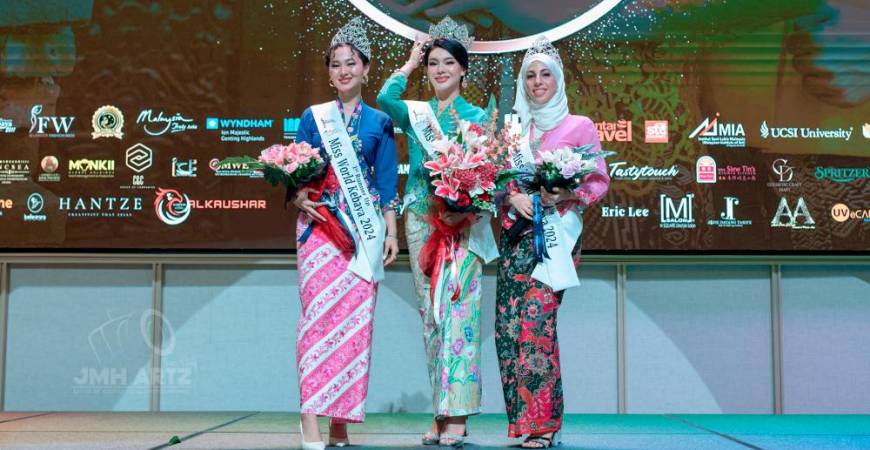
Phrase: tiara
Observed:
(449, 29)
(354, 33)
(543, 46)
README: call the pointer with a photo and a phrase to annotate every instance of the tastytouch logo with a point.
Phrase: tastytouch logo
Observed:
(620, 170)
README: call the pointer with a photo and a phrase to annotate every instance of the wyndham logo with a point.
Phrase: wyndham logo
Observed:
(214, 123)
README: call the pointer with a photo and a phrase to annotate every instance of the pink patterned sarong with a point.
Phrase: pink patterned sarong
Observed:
(334, 335)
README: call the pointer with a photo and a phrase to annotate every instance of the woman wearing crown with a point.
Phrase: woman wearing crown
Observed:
(525, 331)
(451, 331)
(344, 241)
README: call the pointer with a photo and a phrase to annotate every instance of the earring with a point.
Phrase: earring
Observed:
(330, 84)
(365, 79)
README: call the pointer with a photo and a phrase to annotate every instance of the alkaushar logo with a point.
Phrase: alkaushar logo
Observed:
(239, 130)
(842, 174)
(842, 213)
(726, 134)
(172, 207)
(673, 216)
(768, 132)
(798, 218)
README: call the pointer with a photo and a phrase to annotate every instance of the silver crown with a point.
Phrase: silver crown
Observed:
(543, 46)
(449, 29)
(354, 33)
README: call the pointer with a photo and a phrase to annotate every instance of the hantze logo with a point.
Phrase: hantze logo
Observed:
(798, 218)
(713, 132)
(705, 170)
(291, 126)
(804, 132)
(239, 130)
(672, 216)
(91, 168)
(35, 205)
(183, 167)
(172, 207)
(726, 217)
(139, 158)
(161, 124)
(49, 126)
(619, 131)
(841, 213)
(100, 206)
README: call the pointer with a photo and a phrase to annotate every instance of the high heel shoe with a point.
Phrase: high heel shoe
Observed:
(338, 441)
(318, 445)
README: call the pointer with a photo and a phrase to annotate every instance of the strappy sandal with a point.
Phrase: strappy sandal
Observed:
(452, 440)
(335, 441)
(542, 441)
(430, 438)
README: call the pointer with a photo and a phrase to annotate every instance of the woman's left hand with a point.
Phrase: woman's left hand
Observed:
(391, 249)
(561, 195)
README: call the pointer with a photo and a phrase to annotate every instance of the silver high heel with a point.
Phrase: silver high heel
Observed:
(318, 445)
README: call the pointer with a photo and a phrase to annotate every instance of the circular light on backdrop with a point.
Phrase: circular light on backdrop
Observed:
(489, 47)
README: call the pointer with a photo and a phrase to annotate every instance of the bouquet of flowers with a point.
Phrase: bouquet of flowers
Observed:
(291, 165)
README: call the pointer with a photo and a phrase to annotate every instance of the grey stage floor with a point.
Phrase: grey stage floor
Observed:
(267, 430)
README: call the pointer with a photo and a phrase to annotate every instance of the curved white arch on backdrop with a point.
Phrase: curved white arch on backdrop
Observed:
(494, 47)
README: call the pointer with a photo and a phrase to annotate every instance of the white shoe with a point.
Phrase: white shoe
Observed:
(319, 445)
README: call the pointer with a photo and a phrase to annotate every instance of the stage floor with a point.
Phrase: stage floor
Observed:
(268, 430)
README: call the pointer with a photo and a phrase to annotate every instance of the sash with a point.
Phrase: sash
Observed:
(560, 234)
(368, 233)
(481, 241)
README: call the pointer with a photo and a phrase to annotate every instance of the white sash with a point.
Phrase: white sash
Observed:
(560, 235)
(368, 235)
(481, 241)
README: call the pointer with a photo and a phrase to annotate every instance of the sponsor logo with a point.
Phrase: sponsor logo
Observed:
(673, 216)
(50, 126)
(91, 168)
(35, 205)
(619, 131)
(233, 169)
(804, 132)
(866, 130)
(736, 173)
(138, 158)
(784, 174)
(49, 165)
(842, 213)
(714, 132)
(842, 174)
(12, 170)
(705, 170)
(183, 167)
(104, 207)
(620, 170)
(6, 126)
(798, 218)
(726, 217)
(616, 211)
(160, 124)
(239, 130)
(108, 121)
(5, 203)
(656, 131)
(291, 126)
(172, 207)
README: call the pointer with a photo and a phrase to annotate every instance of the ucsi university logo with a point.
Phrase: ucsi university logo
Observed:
(50, 126)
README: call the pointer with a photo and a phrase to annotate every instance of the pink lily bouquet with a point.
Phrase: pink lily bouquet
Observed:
(291, 165)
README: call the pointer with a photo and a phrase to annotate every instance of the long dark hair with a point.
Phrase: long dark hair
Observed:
(454, 48)
(327, 58)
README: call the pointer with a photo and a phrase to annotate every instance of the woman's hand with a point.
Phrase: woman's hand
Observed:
(391, 249)
(522, 203)
(307, 206)
(560, 195)
(416, 56)
(453, 218)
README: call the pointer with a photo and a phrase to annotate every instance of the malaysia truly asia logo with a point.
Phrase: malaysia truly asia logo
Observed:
(159, 124)
(725, 134)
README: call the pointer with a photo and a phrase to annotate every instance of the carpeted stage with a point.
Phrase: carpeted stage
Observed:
(269, 430)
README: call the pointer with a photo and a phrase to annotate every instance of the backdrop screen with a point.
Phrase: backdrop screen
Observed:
(740, 126)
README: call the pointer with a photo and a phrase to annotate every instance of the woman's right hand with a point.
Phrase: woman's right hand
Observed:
(416, 56)
(522, 203)
(307, 206)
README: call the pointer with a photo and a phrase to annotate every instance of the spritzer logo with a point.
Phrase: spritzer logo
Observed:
(798, 218)
(50, 126)
(6, 126)
(159, 124)
(714, 132)
(172, 207)
(239, 130)
(842, 174)
(804, 132)
(727, 218)
(620, 170)
(676, 215)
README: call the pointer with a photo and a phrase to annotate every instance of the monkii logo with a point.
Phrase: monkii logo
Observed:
(6, 126)
(620, 170)
(619, 131)
(238, 130)
(842, 174)
(804, 132)
(139, 158)
(157, 125)
(108, 122)
(656, 132)
(726, 217)
(705, 170)
(91, 168)
(49, 126)
(712, 132)
(671, 216)
(35, 204)
(291, 126)
(183, 167)
(841, 213)
(798, 218)
(114, 207)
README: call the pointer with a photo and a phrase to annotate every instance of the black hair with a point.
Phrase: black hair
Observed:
(453, 47)
(328, 56)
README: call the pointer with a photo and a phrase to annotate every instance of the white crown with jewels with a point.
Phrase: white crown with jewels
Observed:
(543, 46)
(354, 33)
(449, 29)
